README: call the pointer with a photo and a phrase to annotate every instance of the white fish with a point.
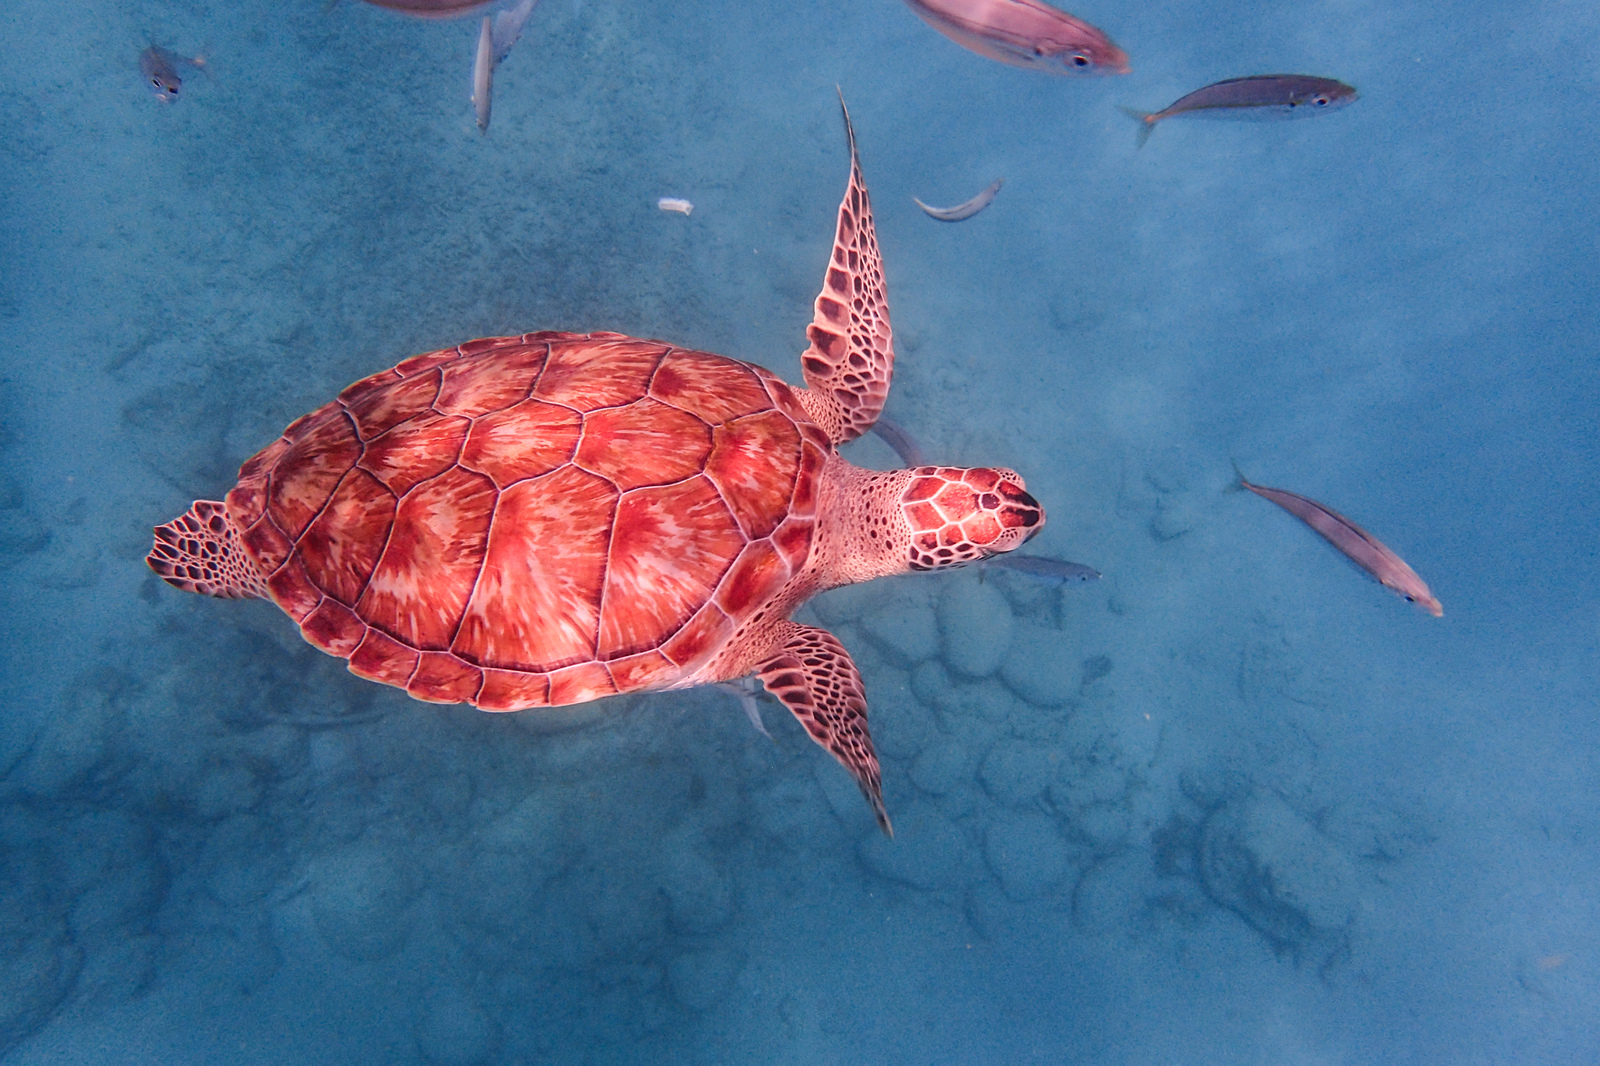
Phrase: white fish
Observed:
(672, 203)
(745, 689)
(966, 210)
(508, 27)
(483, 75)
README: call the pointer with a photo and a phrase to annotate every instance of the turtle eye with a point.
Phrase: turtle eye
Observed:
(1080, 60)
(1321, 101)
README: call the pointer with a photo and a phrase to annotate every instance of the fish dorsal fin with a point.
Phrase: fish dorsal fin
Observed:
(851, 356)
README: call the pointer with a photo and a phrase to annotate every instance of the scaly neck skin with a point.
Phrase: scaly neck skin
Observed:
(862, 531)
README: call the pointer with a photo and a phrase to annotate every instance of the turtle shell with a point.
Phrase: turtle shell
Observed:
(537, 520)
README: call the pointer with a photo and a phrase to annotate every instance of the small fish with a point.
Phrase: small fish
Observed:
(963, 211)
(508, 27)
(896, 437)
(1057, 571)
(745, 689)
(160, 70)
(1024, 33)
(1260, 96)
(432, 9)
(672, 203)
(483, 75)
(1366, 550)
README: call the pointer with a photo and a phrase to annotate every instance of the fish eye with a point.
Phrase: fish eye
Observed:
(1080, 60)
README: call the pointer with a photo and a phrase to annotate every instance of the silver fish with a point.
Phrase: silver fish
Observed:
(963, 211)
(1362, 547)
(508, 27)
(483, 75)
(160, 70)
(1056, 571)
(1260, 96)
(745, 690)
(895, 436)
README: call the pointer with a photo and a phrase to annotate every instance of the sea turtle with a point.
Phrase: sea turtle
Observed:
(547, 519)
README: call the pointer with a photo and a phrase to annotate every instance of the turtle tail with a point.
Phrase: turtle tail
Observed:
(201, 551)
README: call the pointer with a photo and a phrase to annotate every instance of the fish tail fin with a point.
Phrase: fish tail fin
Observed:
(1146, 120)
(1239, 482)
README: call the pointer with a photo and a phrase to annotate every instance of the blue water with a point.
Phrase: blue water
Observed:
(1233, 803)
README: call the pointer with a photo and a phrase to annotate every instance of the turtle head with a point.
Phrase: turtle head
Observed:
(961, 516)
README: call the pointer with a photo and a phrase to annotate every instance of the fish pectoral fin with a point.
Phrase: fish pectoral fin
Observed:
(816, 679)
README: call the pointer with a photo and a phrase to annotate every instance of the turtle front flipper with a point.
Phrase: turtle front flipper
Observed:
(200, 551)
(851, 356)
(815, 678)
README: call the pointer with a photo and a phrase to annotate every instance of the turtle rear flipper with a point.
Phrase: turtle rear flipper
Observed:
(200, 551)
(851, 357)
(815, 678)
